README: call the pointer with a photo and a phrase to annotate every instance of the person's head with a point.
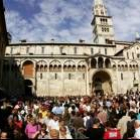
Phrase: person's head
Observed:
(73, 107)
(55, 117)
(62, 122)
(28, 118)
(137, 124)
(43, 127)
(43, 108)
(4, 135)
(132, 115)
(33, 121)
(15, 118)
(54, 134)
(110, 124)
(96, 122)
(63, 130)
(73, 113)
(39, 115)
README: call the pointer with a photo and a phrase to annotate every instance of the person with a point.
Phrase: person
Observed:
(66, 115)
(78, 121)
(32, 128)
(102, 115)
(63, 134)
(17, 123)
(89, 122)
(54, 123)
(86, 118)
(122, 124)
(54, 134)
(58, 109)
(62, 123)
(111, 132)
(4, 135)
(137, 129)
(42, 134)
(96, 132)
(43, 110)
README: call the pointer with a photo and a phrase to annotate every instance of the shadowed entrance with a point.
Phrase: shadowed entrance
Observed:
(101, 83)
(28, 87)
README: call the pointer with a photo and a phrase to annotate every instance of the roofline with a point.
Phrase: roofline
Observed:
(56, 43)
(124, 42)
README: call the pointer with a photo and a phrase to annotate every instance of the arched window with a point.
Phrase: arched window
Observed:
(37, 68)
(107, 63)
(114, 67)
(122, 68)
(136, 67)
(79, 68)
(126, 67)
(45, 68)
(41, 68)
(130, 67)
(28, 68)
(100, 62)
(93, 63)
(119, 67)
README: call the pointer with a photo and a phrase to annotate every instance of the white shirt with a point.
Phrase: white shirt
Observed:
(85, 120)
(53, 124)
(137, 133)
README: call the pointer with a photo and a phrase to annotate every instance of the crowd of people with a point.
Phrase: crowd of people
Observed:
(96, 117)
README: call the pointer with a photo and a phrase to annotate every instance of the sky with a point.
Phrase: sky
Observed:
(67, 20)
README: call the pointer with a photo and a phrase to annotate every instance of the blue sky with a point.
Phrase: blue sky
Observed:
(67, 20)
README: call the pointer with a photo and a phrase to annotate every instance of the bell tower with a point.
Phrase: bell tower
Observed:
(102, 24)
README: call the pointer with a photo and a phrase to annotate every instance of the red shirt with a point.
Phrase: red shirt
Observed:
(112, 133)
(18, 124)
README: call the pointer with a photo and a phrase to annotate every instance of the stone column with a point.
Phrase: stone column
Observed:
(62, 76)
(48, 76)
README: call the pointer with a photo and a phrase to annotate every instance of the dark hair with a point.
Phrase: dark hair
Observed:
(15, 115)
(43, 125)
(96, 121)
(73, 113)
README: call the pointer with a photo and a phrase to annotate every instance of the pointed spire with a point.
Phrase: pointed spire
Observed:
(99, 8)
(98, 2)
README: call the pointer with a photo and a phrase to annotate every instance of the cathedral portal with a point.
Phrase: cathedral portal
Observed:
(101, 83)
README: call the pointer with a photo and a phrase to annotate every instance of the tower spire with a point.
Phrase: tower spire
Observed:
(99, 8)
(98, 2)
(102, 24)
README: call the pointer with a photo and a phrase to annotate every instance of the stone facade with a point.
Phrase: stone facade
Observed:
(60, 69)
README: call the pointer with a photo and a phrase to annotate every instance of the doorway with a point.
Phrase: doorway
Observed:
(28, 87)
(101, 83)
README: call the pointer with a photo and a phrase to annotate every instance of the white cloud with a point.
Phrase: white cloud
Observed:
(69, 20)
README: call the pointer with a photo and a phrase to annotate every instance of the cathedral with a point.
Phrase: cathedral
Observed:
(106, 66)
